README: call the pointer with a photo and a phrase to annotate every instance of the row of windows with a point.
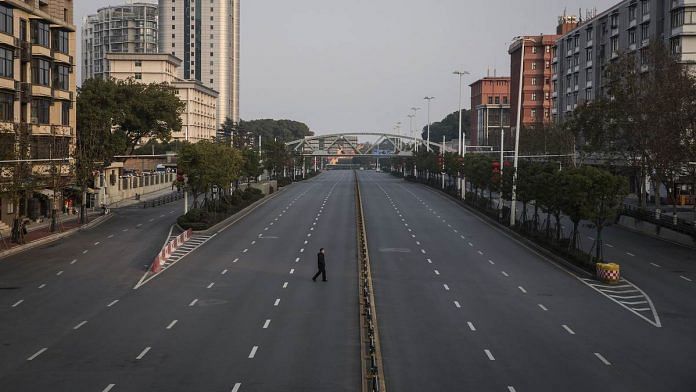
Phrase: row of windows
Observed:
(683, 16)
(40, 31)
(40, 110)
(41, 74)
(497, 100)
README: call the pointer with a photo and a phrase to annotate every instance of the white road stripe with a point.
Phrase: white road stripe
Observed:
(489, 355)
(108, 387)
(544, 308)
(80, 324)
(302, 250)
(456, 303)
(138, 225)
(285, 285)
(193, 302)
(685, 278)
(265, 325)
(423, 251)
(73, 261)
(292, 271)
(306, 242)
(253, 242)
(417, 242)
(446, 287)
(223, 271)
(522, 289)
(143, 353)
(437, 272)
(112, 303)
(42, 285)
(567, 328)
(430, 261)
(601, 358)
(655, 265)
(172, 324)
(471, 325)
(236, 387)
(37, 354)
(59, 273)
(235, 260)
(84, 251)
(211, 285)
(124, 230)
(609, 245)
(245, 250)
(277, 301)
(462, 237)
(491, 261)
(297, 259)
(511, 389)
(505, 273)
(96, 243)
(481, 253)
(17, 303)
(630, 254)
(252, 354)
(110, 236)
(470, 244)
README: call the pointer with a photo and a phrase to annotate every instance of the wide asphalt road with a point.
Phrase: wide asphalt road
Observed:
(240, 313)
(463, 307)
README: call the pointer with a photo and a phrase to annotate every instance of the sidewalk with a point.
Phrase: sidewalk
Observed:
(148, 196)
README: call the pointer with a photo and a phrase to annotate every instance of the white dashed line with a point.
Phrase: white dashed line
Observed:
(489, 355)
(59, 273)
(685, 278)
(252, 354)
(193, 302)
(656, 265)
(97, 243)
(112, 303)
(110, 236)
(211, 285)
(423, 251)
(80, 324)
(522, 289)
(265, 325)
(235, 260)
(609, 245)
(236, 387)
(42, 285)
(504, 273)
(171, 325)
(124, 230)
(292, 271)
(630, 254)
(73, 261)
(37, 354)
(138, 225)
(456, 303)
(285, 285)
(297, 259)
(17, 303)
(567, 328)
(437, 272)
(430, 261)
(480, 252)
(253, 242)
(471, 325)
(302, 250)
(85, 251)
(277, 301)
(601, 358)
(245, 250)
(446, 287)
(223, 272)
(108, 387)
(491, 261)
(143, 353)
(544, 308)
(417, 242)
(511, 389)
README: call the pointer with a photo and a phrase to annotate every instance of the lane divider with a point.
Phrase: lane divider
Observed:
(371, 352)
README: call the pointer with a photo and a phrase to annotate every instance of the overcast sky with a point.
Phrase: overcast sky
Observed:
(361, 65)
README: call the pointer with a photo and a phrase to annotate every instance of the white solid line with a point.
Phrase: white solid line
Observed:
(143, 353)
(505, 273)
(489, 355)
(211, 284)
(265, 325)
(17, 303)
(471, 325)
(630, 254)
(193, 302)
(685, 278)
(277, 301)
(59, 273)
(292, 271)
(223, 271)
(544, 308)
(172, 324)
(285, 285)
(80, 324)
(96, 243)
(522, 289)
(655, 265)
(423, 251)
(112, 303)
(253, 351)
(567, 328)
(108, 387)
(446, 287)
(437, 272)
(73, 261)
(601, 358)
(37, 354)
(245, 250)
(42, 285)
(235, 260)
(297, 259)
(456, 303)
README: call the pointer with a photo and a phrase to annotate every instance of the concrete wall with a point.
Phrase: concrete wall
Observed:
(112, 187)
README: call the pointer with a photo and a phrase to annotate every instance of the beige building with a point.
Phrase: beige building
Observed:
(199, 119)
(37, 106)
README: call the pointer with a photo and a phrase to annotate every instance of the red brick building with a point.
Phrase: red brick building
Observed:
(490, 109)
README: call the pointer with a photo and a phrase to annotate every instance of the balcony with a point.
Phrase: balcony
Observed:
(646, 18)
(569, 53)
(569, 72)
(555, 94)
(632, 47)
(62, 57)
(554, 60)
(38, 90)
(38, 50)
(554, 111)
(554, 76)
(589, 84)
(589, 44)
(577, 87)
(569, 90)
(577, 49)
(614, 55)
(61, 130)
(588, 64)
(632, 23)
(614, 31)
(576, 68)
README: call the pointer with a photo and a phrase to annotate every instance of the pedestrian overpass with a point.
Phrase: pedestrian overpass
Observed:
(335, 145)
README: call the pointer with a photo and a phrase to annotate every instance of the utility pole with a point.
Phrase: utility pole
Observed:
(513, 201)
(428, 99)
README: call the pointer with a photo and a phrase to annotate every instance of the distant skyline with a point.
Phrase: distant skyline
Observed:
(361, 65)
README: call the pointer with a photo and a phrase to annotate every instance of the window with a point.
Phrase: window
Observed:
(631, 13)
(614, 21)
(40, 111)
(576, 60)
(6, 63)
(589, 34)
(534, 96)
(6, 20)
(6, 106)
(645, 31)
(534, 49)
(576, 80)
(40, 33)
(65, 113)
(588, 74)
(631, 36)
(534, 81)
(645, 7)
(490, 100)
(588, 54)
(533, 113)
(138, 76)
(505, 100)
(41, 71)
(588, 94)
(60, 41)
(614, 44)
(62, 77)
(138, 63)
(497, 100)
(534, 66)
(675, 45)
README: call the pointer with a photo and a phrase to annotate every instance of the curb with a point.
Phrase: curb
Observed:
(54, 237)
(516, 236)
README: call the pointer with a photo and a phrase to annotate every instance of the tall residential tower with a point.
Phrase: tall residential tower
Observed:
(205, 34)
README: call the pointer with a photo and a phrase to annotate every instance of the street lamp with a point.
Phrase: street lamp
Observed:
(462, 138)
(415, 110)
(428, 99)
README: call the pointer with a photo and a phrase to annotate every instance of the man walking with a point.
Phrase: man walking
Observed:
(322, 266)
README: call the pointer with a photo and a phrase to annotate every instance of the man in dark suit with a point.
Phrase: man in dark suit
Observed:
(322, 266)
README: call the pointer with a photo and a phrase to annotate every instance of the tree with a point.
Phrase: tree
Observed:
(251, 167)
(449, 127)
(276, 130)
(206, 164)
(275, 156)
(573, 186)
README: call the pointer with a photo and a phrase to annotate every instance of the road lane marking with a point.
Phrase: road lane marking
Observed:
(84, 251)
(302, 250)
(306, 242)
(277, 301)
(601, 358)
(73, 261)
(151, 220)
(245, 250)
(471, 325)
(124, 230)
(265, 325)
(413, 235)
(143, 353)
(489, 355)
(481, 253)
(236, 387)
(417, 242)
(437, 272)
(110, 236)
(456, 303)
(544, 308)
(297, 259)
(193, 302)
(655, 265)
(37, 354)
(80, 324)
(235, 260)
(430, 261)
(211, 285)
(470, 244)
(253, 242)
(17, 303)
(567, 328)
(423, 251)
(685, 278)
(511, 389)
(42, 285)
(292, 271)
(522, 289)
(223, 271)
(630, 254)
(59, 273)
(112, 303)
(96, 243)
(265, 229)
(138, 225)
(309, 234)
(446, 287)
(462, 237)
(491, 261)
(252, 354)
(108, 387)
(172, 324)
(504, 273)
(609, 245)
(285, 285)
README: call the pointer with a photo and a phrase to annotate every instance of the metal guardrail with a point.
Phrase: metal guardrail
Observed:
(162, 200)
(371, 353)
(663, 219)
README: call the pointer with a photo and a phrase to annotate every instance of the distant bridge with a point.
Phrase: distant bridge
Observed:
(346, 145)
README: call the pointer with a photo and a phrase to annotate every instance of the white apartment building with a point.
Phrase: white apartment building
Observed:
(205, 35)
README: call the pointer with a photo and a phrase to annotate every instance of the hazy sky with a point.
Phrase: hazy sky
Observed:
(361, 65)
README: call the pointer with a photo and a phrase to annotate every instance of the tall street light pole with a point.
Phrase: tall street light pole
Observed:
(513, 200)
(461, 182)
(428, 99)
(415, 110)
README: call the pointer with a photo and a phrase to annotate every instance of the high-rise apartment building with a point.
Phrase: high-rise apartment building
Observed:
(581, 55)
(37, 106)
(205, 35)
(128, 28)
(490, 110)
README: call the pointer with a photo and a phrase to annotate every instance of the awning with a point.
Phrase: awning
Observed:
(79, 189)
(45, 192)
